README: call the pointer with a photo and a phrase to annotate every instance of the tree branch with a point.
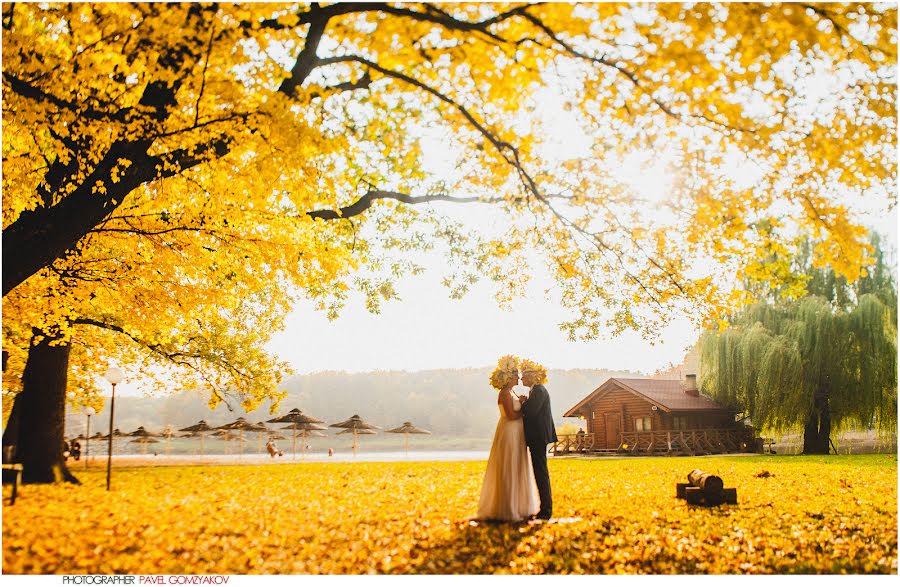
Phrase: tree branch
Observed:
(598, 60)
(365, 202)
(307, 59)
(203, 76)
(31, 92)
(8, 17)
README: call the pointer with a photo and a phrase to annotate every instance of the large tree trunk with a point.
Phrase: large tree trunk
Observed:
(37, 422)
(817, 432)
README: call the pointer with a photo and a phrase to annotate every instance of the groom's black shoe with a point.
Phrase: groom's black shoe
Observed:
(542, 516)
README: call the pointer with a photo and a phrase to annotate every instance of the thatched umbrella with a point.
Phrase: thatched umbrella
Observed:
(226, 435)
(240, 425)
(199, 428)
(306, 429)
(361, 431)
(309, 433)
(263, 430)
(406, 430)
(116, 434)
(355, 424)
(142, 432)
(144, 441)
(299, 421)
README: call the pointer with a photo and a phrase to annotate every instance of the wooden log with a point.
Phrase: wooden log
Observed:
(711, 485)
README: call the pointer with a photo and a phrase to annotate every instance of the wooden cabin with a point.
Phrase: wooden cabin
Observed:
(655, 416)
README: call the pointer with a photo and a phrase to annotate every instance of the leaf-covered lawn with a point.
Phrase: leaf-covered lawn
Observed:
(794, 515)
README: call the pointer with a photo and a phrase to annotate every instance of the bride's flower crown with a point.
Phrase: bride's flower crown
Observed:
(507, 369)
(535, 370)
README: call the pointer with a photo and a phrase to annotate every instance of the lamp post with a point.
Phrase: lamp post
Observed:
(114, 375)
(89, 411)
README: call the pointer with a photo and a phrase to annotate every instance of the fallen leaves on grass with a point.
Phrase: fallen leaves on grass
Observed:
(621, 516)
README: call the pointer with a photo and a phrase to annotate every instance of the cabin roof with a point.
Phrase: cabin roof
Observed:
(667, 394)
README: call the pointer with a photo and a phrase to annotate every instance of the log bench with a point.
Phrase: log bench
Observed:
(705, 489)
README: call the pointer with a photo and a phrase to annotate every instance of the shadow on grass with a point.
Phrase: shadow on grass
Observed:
(476, 547)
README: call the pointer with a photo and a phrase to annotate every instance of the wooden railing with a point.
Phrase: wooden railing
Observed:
(669, 442)
(573, 443)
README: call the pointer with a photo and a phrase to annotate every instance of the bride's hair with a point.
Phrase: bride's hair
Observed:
(507, 370)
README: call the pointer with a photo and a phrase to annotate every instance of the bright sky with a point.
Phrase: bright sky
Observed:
(428, 330)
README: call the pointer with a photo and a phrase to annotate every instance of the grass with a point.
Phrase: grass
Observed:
(835, 514)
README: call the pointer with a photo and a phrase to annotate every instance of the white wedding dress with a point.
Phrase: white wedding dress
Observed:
(509, 492)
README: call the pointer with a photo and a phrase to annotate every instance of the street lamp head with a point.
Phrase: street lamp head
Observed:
(89, 411)
(114, 375)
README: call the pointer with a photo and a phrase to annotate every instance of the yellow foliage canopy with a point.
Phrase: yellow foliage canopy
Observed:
(173, 173)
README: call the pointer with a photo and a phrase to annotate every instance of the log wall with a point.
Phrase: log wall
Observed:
(628, 406)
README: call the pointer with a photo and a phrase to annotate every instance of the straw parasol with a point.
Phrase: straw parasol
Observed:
(263, 430)
(199, 428)
(144, 441)
(142, 432)
(299, 421)
(355, 424)
(226, 435)
(306, 429)
(240, 425)
(116, 434)
(406, 430)
(310, 433)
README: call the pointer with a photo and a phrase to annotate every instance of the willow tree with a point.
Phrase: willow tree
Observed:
(140, 135)
(819, 363)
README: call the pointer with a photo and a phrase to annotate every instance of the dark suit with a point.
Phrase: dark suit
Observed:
(539, 432)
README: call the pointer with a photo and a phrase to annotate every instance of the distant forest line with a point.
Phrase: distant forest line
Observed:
(448, 402)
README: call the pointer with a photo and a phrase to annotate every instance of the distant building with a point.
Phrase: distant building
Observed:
(658, 416)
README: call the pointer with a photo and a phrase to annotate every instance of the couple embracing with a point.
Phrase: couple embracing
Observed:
(517, 487)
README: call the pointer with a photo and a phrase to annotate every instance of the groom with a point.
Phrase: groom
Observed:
(539, 432)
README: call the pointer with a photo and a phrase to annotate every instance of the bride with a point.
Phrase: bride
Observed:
(509, 492)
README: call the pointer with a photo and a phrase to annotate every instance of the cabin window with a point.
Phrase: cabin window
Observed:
(679, 423)
(642, 424)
